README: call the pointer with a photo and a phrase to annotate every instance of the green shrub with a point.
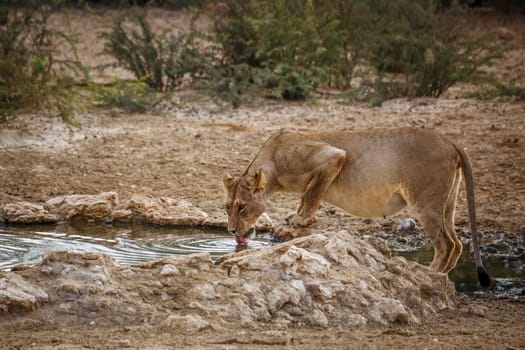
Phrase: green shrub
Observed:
(128, 96)
(409, 48)
(293, 45)
(285, 82)
(418, 49)
(161, 60)
(498, 89)
(31, 75)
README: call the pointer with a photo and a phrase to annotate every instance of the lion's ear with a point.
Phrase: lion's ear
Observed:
(228, 180)
(260, 180)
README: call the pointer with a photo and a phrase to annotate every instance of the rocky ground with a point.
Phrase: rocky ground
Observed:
(182, 153)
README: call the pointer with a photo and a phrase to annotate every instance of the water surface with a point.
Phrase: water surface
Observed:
(130, 244)
(508, 271)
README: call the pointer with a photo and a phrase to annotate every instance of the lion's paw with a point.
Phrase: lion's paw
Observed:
(287, 233)
(300, 221)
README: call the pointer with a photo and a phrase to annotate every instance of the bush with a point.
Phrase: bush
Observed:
(418, 50)
(409, 48)
(294, 45)
(129, 96)
(31, 75)
(161, 60)
(497, 89)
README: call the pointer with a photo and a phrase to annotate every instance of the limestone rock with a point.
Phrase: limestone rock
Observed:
(18, 293)
(199, 261)
(405, 225)
(297, 259)
(103, 206)
(203, 291)
(25, 213)
(96, 207)
(168, 270)
(316, 272)
(190, 323)
(317, 318)
(166, 211)
(121, 215)
(317, 280)
(387, 310)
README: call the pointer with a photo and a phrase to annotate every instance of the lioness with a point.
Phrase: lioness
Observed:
(372, 173)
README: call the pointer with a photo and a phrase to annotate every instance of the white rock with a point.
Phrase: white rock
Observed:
(167, 211)
(169, 270)
(389, 310)
(98, 207)
(317, 318)
(356, 320)
(336, 249)
(25, 213)
(191, 324)
(276, 299)
(300, 260)
(405, 225)
(204, 291)
(17, 292)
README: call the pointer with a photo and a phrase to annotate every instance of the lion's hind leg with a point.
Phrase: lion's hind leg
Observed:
(430, 210)
(448, 219)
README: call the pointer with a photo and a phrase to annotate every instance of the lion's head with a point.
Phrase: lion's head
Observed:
(245, 202)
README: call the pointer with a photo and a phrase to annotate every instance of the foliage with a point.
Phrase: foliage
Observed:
(172, 4)
(162, 60)
(129, 96)
(285, 82)
(32, 77)
(498, 89)
(410, 48)
(418, 50)
(232, 83)
(294, 45)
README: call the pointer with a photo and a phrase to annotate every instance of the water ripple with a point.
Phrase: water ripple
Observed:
(28, 244)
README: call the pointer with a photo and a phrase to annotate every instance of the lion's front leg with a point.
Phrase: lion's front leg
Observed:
(329, 161)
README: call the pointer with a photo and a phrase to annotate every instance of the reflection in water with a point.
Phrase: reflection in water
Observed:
(129, 244)
(508, 271)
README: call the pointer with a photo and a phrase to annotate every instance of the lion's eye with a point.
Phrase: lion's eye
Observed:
(242, 207)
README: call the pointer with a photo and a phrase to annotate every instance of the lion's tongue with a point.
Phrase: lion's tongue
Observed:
(241, 240)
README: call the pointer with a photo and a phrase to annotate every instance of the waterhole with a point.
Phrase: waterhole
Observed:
(507, 269)
(131, 244)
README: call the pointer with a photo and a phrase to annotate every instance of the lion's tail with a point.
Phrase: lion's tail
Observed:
(483, 276)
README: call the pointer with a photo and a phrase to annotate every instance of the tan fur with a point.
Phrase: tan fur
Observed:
(371, 173)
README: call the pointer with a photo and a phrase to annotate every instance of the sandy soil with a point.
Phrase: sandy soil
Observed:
(184, 151)
(481, 325)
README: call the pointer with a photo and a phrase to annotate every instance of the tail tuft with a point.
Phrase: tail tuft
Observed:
(484, 278)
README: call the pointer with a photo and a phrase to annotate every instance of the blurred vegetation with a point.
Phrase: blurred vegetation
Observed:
(33, 73)
(369, 50)
(390, 48)
(161, 60)
(418, 48)
(497, 89)
(127, 96)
